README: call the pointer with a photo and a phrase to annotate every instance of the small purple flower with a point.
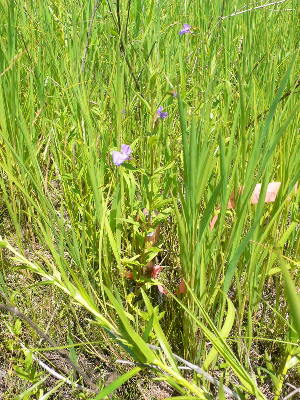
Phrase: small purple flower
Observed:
(186, 29)
(161, 114)
(120, 156)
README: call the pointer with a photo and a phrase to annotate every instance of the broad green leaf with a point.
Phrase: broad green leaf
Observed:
(32, 389)
(183, 398)
(292, 296)
(221, 346)
(117, 383)
(159, 333)
(224, 332)
(138, 344)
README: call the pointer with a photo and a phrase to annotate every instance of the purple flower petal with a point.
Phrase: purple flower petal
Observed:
(119, 158)
(125, 149)
(161, 114)
(186, 29)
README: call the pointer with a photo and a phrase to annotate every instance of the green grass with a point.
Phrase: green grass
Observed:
(78, 79)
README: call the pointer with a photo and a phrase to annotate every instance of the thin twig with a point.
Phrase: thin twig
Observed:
(292, 394)
(200, 371)
(283, 97)
(127, 19)
(17, 313)
(138, 364)
(119, 16)
(284, 9)
(147, 59)
(135, 77)
(292, 386)
(189, 366)
(56, 374)
(295, 391)
(123, 48)
(89, 33)
(254, 8)
(12, 63)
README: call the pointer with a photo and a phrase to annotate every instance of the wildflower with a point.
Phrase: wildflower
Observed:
(162, 290)
(182, 287)
(161, 114)
(155, 271)
(172, 93)
(186, 29)
(119, 157)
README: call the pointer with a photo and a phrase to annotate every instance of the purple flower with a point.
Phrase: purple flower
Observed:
(119, 157)
(186, 29)
(161, 114)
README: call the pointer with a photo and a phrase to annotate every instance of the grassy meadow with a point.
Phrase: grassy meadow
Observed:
(153, 270)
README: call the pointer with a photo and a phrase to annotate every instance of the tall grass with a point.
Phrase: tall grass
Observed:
(78, 79)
